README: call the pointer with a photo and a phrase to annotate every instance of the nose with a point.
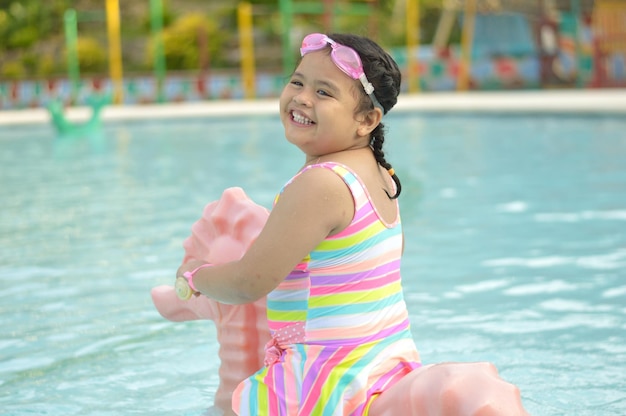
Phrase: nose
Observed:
(303, 98)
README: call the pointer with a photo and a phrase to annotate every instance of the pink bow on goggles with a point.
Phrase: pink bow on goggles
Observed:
(346, 59)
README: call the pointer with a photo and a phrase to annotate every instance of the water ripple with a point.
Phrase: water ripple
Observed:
(612, 260)
(553, 286)
(609, 215)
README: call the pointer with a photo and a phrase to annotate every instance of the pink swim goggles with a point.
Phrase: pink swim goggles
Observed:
(346, 59)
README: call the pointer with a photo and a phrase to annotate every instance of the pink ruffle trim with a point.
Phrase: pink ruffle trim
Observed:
(275, 347)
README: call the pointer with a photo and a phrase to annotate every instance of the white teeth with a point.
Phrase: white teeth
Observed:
(301, 119)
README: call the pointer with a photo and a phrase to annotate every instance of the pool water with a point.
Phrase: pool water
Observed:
(515, 253)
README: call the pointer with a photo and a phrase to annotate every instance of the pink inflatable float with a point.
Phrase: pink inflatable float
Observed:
(223, 234)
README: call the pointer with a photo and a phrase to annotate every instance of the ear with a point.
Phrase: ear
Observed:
(370, 122)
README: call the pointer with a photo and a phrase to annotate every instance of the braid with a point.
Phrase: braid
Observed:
(378, 138)
(383, 72)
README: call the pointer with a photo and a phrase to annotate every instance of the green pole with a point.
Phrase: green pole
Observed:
(286, 15)
(71, 42)
(156, 24)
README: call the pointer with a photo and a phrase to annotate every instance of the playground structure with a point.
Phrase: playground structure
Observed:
(504, 44)
(508, 44)
(609, 48)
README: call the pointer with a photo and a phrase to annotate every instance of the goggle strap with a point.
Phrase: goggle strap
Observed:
(376, 103)
(367, 86)
(369, 90)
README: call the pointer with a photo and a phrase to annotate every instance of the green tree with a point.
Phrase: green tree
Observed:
(12, 70)
(23, 23)
(92, 57)
(24, 26)
(183, 40)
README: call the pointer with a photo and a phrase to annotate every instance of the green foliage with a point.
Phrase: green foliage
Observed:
(46, 66)
(184, 40)
(92, 57)
(12, 70)
(32, 33)
(24, 25)
(29, 60)
(23, 37)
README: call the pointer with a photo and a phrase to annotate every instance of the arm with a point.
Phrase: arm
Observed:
(313, 206)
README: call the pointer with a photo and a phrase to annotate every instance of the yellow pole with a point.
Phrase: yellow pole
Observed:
(467, 39)
(115, 49)
(412, 43)
(246, 48)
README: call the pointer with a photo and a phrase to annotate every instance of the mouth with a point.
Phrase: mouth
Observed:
(300, 118)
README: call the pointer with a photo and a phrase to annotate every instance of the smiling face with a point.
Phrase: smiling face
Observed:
(318, 108)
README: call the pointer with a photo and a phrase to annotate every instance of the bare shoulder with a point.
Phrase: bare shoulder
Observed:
(313, 206)
(322, 196)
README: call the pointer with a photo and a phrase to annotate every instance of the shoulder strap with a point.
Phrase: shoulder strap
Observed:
(341, 170)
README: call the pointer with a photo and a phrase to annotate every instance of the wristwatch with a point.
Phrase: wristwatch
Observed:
(184, 286)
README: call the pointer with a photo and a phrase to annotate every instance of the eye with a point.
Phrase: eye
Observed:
(324, 93)
(296, 82)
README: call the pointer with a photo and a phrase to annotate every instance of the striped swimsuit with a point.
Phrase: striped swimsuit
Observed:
(339, 323)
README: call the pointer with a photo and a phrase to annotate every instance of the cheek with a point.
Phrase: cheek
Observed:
(287, 92)
(283, 100)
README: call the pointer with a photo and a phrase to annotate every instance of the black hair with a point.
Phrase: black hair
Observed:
(383, 72)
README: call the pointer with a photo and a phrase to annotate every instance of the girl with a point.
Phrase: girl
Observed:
(328, 257)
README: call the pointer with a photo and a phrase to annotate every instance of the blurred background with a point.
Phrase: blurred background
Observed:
(70, 51)
(515, 217)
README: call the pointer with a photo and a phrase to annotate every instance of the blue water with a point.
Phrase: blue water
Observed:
(515, 253)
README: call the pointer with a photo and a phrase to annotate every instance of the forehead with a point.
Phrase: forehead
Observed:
(319, 65)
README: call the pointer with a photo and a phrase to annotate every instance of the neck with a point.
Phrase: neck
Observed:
(338, 156)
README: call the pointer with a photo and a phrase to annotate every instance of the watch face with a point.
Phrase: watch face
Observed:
(182, 288)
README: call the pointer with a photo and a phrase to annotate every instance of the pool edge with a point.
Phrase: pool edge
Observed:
(602, 101)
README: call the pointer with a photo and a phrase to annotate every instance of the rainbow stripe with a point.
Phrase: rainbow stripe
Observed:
(349, 296)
